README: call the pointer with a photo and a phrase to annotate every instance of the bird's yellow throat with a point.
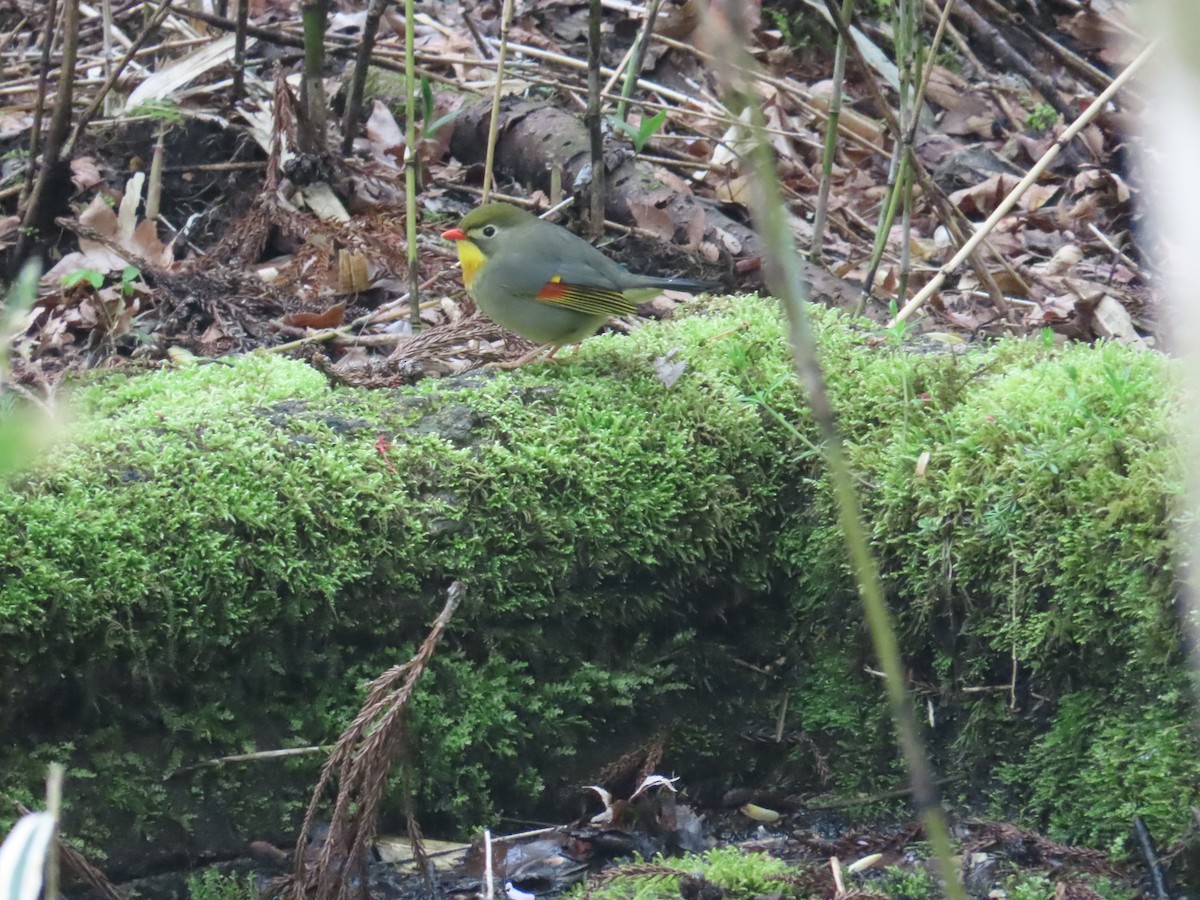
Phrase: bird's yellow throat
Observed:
(472, 260)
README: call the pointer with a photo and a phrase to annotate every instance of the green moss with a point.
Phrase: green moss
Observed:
(214, 885)
(738, 874)
(1129, 754)
(899, 883)
(223, 556)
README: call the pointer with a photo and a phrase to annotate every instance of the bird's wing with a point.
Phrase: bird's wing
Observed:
(583, 278)
(567, 272)
(585, 298)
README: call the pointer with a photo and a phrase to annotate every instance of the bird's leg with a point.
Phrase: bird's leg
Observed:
(526, 358)
(574, 350)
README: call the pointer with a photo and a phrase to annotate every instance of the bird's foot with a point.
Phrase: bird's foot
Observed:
(526, 358)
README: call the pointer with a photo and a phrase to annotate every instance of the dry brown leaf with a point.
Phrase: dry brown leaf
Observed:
(435, 147)
(333, 317)
(1007, 282)
(648, 216)
(1037, 196)
(853, 121)
(1096, 31)
(213, 334)
(734, 190)
(14, 123)
(944, 87)
(85, 173)
(385, 137)
(123, 230)
(9, 226)
(678, 20)
(669, 370)
(971, 114)
(984, 197)
(1036, 146)
(1111, 320)
(693, 229)
(1062, 261)
(146, 244)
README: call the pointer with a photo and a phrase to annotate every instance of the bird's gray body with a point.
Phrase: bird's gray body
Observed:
(533, 253)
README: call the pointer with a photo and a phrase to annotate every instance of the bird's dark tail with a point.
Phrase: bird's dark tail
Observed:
(687, 285)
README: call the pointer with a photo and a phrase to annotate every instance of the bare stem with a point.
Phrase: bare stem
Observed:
(362, 64)
(494, 122)
(596, 218)
(410, 162)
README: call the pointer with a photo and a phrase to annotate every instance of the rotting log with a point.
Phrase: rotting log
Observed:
(222, 556)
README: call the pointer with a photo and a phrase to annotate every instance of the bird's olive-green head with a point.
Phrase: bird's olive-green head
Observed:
(483, 231)
(486, 226)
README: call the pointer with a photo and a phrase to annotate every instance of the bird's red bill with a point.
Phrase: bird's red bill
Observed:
(455, 234)
(586, 299)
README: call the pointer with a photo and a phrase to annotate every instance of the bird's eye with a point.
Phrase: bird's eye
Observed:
(489, 230)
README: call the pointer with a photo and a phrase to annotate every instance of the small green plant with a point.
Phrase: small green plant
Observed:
(1029, 886)
(741, 874)
(784, 24)
(738, 874)
(164, 110)
(430, 125)
(949, 59)
(129, 275)
(1109, 889)
(902, 883)
(642, 132)
(213, 885)
(805, 32)
(79, 276)
(1042, 116)
(899, 331)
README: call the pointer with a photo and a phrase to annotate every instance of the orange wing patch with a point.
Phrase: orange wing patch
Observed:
(586, 299)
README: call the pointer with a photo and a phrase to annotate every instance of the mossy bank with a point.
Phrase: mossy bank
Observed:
(224, 554)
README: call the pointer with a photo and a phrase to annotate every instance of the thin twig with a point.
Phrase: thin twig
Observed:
(362, 64)
(260, 756)
(106, 29)
(39, 106)
(830, 147)
(494, 122)
(60, 125)
(7, 39)
(54, 784)
(640, 45)
(1117, 251)
(239, 52)
(411, 162)
(592, 119)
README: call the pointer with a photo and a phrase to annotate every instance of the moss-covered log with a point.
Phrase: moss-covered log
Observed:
(223, 554)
